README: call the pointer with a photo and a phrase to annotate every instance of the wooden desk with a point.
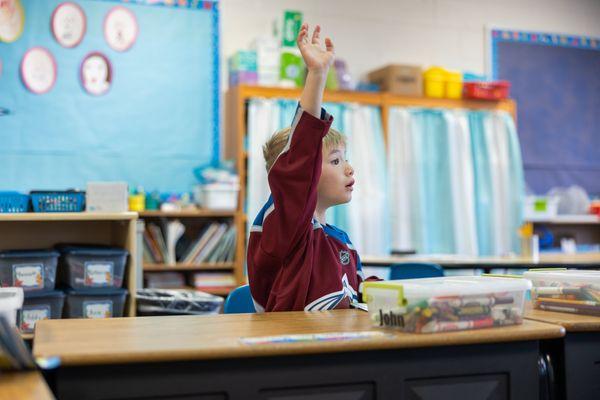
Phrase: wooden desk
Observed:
(576, 357)
(28, 385)
(583, 260)
(204, 358)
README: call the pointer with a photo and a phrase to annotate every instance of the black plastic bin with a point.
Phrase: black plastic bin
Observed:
(152, 302)
(40, 305)
(95, 303)
(30, 269)
(85, 267)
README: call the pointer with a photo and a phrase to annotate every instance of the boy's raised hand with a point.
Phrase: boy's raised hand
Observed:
(315, 57)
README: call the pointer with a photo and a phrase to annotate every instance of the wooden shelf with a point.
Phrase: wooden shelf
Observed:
(188, 267)
(568, 220)
(74, 216)
(200, 212)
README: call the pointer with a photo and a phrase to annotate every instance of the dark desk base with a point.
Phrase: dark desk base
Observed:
(576, 362)
(490, 371)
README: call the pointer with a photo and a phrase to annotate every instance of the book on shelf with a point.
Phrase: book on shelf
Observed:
(205, 280)
(214, 244)
(164, 280)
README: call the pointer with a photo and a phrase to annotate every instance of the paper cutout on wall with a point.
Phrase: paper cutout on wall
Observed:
(12, 19)
(96, 73)
(38, 70)
(120, 28)
(68, 24)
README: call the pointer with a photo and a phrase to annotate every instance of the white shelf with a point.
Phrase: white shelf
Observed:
(567, 219)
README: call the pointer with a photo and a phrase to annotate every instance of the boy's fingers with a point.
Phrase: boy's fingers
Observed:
(315, 36)
(302, 35)
(329, 45)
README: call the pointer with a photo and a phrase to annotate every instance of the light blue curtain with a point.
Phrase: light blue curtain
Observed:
(366, 218)
(456, 182)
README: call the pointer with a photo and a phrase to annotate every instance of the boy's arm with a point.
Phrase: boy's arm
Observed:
(294, 176)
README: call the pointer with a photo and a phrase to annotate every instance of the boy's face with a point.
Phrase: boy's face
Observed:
(337, 177)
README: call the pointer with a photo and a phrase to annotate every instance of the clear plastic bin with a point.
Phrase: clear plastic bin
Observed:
(29, 269)
(176, 302)
(570, 291)
(85, 267)
(446, 304)
(95, 303)
(38, 306)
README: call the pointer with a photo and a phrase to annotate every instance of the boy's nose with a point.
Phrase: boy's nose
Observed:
(349, 170)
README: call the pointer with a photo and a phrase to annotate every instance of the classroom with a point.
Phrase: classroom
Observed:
(285, 199)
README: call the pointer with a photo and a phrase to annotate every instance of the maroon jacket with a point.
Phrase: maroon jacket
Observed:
(294, 262)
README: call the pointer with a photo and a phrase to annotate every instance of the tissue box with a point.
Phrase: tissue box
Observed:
(106, 197)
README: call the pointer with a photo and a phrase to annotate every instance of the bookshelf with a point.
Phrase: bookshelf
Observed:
(195, 222)
(21, 231)
(237, 97)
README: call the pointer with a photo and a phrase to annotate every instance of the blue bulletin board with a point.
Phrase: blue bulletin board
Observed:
(556, 84)
(158, 121)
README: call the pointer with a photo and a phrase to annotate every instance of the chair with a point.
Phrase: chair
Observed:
(239, 301)
(415, 270)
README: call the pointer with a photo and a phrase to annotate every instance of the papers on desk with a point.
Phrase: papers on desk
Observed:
(313, 337)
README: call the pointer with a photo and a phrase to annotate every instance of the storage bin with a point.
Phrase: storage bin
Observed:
(29, 269)
(95, 303)
(570, 291)
(84, 267)
(11, 300)
(487, 90)
(176, 302)
(540, 207)
(219, 196)
(454, 85)
(38, 306)
(434, 80)
(57, 201)
(446, 304)
(13, 202)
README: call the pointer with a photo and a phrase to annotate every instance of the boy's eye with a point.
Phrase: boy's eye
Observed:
(335, 161)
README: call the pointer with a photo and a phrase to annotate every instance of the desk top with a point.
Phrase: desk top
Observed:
(28, 385)
(177, 338)
(571, 322)
(455, 261)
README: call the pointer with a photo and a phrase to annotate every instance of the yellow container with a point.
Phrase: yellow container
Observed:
(137, 202)
(454, 85)
(434, 80)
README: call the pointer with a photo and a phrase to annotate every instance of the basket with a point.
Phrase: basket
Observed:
(487, 90)
(13, 202)
(58, 201)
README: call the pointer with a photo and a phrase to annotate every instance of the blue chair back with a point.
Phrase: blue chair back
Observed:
(239, 301)
(415, 270)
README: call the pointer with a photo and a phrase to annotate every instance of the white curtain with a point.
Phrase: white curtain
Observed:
(455, 181)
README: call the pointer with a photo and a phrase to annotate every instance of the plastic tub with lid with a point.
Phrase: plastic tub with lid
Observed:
(446, 304)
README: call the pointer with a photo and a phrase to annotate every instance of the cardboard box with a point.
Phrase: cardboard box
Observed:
(106, 197)
(406, 80)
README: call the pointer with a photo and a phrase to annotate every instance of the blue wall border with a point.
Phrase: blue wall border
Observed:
(540, 38)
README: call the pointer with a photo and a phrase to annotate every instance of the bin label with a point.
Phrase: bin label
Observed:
(30, 315)
(28, 275)
(98, 273)
(97, 309)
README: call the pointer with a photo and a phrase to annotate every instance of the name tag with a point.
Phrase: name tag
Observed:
(29, 316)
(97, 309)
(98, 273)
(28, 275)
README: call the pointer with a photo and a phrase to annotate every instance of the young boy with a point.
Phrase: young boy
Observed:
(295, 260)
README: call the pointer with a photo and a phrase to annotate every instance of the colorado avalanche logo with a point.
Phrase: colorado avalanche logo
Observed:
(344, 257)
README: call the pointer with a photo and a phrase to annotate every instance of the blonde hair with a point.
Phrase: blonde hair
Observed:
(275, 145)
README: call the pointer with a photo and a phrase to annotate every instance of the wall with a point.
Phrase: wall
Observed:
(368, 34)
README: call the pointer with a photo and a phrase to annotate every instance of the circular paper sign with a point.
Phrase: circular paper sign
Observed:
(68, 24)
(96, 74)
(120, 28)
(12, 19)
(38, 70)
